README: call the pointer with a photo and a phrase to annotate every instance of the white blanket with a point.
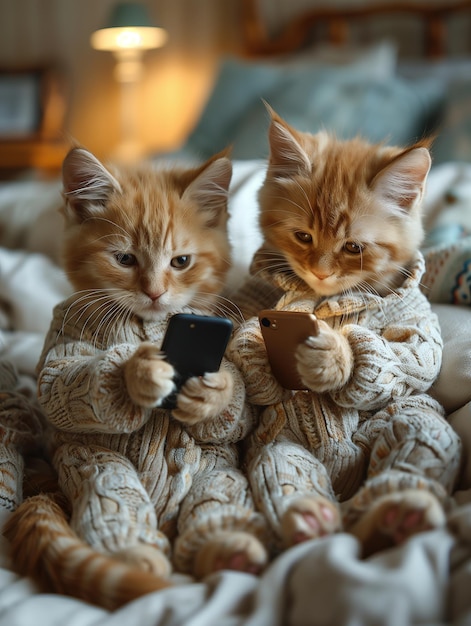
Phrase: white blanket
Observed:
(325, 582)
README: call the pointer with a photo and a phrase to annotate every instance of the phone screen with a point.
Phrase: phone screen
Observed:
(194, 344)
(282, 332)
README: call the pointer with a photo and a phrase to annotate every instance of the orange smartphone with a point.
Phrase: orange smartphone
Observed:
(282, 332)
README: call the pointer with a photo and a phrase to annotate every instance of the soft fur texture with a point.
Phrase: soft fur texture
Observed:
(146, 486)
(343, 201)
(342, 227)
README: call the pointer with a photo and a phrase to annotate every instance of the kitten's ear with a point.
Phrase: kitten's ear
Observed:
(210, 188)
(87, 184)
(401, 184)
(287, 156)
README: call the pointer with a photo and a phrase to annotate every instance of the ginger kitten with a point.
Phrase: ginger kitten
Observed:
(341, 222)
(149, 487)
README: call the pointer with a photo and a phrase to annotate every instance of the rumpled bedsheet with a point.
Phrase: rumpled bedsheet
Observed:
(318, 583)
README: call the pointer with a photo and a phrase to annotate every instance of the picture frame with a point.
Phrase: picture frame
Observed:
(20, 103)
(33, 103)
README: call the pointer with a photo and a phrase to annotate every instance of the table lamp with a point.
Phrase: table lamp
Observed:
(127, 34)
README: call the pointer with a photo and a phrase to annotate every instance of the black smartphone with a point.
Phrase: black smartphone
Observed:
(194, 344)
(282, 332)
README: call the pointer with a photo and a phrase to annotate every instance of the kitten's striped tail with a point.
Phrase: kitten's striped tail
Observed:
(44, 547)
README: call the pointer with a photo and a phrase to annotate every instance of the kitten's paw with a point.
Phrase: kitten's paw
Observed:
(238, 551)
(325, 361)
(149, 378)
(147, 558)
(309, 517)
(204, 397)
(396, 517)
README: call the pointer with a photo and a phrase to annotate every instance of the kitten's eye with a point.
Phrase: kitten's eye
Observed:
(353, 248)
(125, 259)
(304, 237)
(180, 262)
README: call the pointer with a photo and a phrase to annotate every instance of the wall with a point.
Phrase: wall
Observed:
(176, 80)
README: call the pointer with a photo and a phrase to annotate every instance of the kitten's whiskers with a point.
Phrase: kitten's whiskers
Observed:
(94, 303)
(224, 306)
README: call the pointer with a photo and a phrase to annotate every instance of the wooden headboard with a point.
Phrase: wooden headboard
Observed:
(337, 24)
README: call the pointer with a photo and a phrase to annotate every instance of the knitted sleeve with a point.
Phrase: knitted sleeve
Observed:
(404, 359)
(247, 350)
(234, 423)
(83, 390)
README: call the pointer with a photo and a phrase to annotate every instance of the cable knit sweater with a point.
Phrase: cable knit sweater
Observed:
(21, 429)
(89, 412)
(81, 380)
(396, 346)
(395, 340)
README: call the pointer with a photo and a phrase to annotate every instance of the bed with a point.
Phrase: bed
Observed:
(365, 85)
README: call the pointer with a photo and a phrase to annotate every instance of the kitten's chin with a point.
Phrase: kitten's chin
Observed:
(153, 311)
(326, 287)
(153, 316)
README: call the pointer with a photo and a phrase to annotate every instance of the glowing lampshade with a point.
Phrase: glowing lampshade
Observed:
(127, 34)
(128, 28)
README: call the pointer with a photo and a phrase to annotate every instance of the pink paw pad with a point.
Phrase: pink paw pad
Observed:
(316, 524)
(238, 562)
(401, 524)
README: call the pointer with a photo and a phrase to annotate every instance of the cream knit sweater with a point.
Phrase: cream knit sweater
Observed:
(380, 432)
(21, 430)
(108, 450)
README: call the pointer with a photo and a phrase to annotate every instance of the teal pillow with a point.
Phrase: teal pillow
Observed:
(394, 110)
(453, 141)
(237, 87)
(241, 85)
(346, 99)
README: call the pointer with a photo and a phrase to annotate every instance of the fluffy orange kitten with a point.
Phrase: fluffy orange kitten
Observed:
(341, 222)
(150, 487)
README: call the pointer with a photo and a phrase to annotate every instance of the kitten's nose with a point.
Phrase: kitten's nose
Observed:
(322, 275)
(154, 295)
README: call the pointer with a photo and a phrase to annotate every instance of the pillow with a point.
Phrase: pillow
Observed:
(448, 275)
(453, 386)
(450, 70)
(237, 86)
(453, 141)
(359, 98)
(241, 84)
(394, 110)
